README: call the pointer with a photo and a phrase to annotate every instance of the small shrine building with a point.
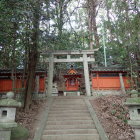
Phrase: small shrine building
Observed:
(72, 83)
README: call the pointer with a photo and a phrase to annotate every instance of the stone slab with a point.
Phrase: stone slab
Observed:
(68, 111)
(69, 118)
(69, 115)
(98, 125)
(8, 125)
(70, 131)
(5, 135)
(71, 137)
(72, 122)
(79, 126)
(69, 122)
(137, 134)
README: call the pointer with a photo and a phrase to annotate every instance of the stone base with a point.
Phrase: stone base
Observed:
(136, 126)
(137, 134)
(72, 93)
(54, 94)
(105, 92)
(5, 135)
(7, 125)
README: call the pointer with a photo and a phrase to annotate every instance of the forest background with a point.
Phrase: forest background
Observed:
(29, 27)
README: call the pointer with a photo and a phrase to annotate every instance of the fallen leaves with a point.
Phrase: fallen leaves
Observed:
(27, 119)
(114, 116)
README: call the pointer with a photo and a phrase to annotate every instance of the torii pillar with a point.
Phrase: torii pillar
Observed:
(50, 76)
(85, 59)
(86, 73)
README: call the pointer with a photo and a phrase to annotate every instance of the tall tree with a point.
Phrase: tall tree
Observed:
(33, 53)
(92, 25)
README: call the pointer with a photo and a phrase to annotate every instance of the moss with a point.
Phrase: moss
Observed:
(133, 100)
(8, 125)
(134, 91)
(10, 102)
(19, 133)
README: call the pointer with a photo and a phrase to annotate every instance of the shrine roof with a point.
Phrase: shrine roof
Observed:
(109, 69)
(74, 75)
(4, 71)
(72, 72)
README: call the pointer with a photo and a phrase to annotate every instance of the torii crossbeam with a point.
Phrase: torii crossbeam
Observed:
(83, 56)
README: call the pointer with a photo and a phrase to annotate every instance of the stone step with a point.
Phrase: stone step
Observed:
(74, 122)
(69, 118)
(70, 131)
(69, 108)
(70, 115)
(72, 94)
(69, 98)
(79, 126)
(68, 111)
(70, 103)
(71, 137)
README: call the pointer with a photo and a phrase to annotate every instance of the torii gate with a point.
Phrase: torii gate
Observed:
(86, 57)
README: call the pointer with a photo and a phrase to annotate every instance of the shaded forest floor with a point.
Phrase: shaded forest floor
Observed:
(30, 119)
(113, 116)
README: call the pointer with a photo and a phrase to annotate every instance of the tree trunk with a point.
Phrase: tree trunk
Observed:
(92, 26)
(30, 78)
(33, 57)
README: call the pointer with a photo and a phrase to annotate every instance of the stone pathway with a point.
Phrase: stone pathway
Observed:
(69, 119)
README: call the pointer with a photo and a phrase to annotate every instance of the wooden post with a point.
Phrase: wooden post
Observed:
(122, 83)
(37, 84)
(45, 83)
(97, 80)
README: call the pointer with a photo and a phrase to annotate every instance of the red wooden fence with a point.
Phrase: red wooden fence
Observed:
(97, 83)
(6, 85)
(109, 83)
(41, 84)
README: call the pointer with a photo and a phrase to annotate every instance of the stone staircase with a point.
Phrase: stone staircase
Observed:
(69, 119)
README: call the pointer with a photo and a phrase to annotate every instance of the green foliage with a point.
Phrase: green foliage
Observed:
(113, 112)
(122, 37)
(63, 26)
(125, 121)
(19, 133)
(133, 101)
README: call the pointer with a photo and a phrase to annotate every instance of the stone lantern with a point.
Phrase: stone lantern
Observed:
(7, 115)
(134, 111)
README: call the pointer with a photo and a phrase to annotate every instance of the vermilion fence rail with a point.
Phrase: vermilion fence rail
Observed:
(6, 85)
(97, 83)
(109, 83)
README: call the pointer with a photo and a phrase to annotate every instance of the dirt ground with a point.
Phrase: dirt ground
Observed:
(113, 116)
(30, 119)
